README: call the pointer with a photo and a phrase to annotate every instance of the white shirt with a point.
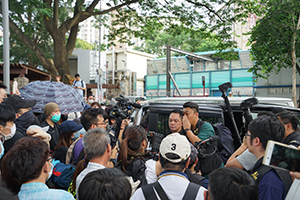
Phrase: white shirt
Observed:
(174, 185)
(150, 171)
(90, 168)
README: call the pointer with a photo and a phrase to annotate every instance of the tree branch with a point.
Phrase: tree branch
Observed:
(55, 12)
(208, 8)
(31, 45)
(83, 15)
(72, 40)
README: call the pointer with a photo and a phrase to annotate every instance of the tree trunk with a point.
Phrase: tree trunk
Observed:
(294, 92)
(61, 58)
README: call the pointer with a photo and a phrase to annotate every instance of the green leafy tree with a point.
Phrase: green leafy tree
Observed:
(196, 41)
(275, 40)
(131, 18)
(83, 44)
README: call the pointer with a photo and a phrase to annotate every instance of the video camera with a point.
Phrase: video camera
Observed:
(123, 108)
(246, 105)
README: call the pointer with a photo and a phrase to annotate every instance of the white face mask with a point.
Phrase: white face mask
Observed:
(12, 132)
(51, 171)
(78, 133)
(91, 101)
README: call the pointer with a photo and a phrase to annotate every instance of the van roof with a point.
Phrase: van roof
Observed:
(287, 102)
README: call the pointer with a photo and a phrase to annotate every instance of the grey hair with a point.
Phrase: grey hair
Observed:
(95, 142)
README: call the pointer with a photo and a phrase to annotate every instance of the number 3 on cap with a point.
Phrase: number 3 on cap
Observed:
(173, 147)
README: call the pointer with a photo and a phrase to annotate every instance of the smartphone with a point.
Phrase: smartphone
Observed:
(15, 87)
(282, 156)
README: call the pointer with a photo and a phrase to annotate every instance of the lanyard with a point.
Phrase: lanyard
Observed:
(172, 175)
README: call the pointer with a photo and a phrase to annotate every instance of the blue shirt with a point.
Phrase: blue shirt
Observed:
(271, 187)
(40, 191)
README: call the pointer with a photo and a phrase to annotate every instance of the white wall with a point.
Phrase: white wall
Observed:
(138, 64)
(88, 62)
(135, 62)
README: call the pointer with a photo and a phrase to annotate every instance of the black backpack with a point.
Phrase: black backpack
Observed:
(149, 193)
(136, 170)
(225, 144)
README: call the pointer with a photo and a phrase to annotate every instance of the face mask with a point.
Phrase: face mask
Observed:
(78, 133)
(50, 173)
(91, 101)
(12, 132)
(103, 107)
(55, 118)
(2, 150)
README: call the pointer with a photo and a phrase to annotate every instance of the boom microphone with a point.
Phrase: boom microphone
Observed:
(210, 139)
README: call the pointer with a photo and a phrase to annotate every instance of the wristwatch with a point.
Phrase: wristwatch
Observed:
(113, 160)
(187, 129)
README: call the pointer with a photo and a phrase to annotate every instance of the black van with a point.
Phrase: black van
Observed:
(154, 114)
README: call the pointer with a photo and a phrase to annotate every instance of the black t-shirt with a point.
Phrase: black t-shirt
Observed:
(8, 144)
(54, 132)
(181, 132)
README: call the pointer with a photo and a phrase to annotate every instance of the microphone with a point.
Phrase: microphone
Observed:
(136, 105)
(210, 139)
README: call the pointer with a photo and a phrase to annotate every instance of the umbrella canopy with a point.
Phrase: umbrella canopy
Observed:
(66, 97)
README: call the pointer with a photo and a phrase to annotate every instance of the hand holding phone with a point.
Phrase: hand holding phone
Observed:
(282, 156)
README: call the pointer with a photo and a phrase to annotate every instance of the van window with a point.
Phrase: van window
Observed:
(158, 121)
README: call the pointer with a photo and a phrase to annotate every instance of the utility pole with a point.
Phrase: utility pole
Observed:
(6, 64)
(168, 89)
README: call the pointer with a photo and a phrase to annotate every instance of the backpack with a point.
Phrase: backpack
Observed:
(62, 175)
(149, 193)
(136, 170)
(80, 81)
(225, 144)
(75, 161)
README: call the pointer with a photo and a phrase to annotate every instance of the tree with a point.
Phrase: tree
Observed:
(275, 40)
(83, 44)
(197, 41)
(136, 18)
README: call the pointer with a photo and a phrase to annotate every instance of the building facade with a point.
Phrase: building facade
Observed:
(128, 69)
(188, 73)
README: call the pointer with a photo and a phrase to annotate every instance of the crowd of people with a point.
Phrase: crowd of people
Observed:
(108, 158)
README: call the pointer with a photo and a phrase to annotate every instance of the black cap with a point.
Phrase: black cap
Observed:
(17, 102)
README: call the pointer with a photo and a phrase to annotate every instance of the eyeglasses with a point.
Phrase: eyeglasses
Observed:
(102, 123)
(246, 134)
(50, 159)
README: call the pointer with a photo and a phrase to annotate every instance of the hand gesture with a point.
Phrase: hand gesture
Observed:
(37, 132)
(186, 123)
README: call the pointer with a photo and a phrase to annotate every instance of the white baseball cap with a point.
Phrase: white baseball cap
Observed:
(176, 144)
(46, 128)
